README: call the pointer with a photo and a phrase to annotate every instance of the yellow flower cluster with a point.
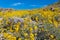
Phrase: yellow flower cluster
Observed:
(27, 24)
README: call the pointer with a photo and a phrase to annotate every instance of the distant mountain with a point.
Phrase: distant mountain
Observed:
(54, 5)
(6, 9)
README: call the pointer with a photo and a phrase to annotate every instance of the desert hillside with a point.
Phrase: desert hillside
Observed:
(35, 24)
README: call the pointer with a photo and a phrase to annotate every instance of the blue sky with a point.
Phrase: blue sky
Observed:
(25, 4)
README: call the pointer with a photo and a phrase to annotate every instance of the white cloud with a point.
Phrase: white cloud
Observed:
(45, 5)
(39, 5)
(16, 4)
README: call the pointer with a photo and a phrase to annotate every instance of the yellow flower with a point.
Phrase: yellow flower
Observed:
(35, 27)
(31, 29)
(11, 30)
(25, 34)
(31, 36)
(55, 23)
(9, 36)
(52, 36)
(17, 28)
(50, 21)
(13, 38)
(5, 35)
(36, 18)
